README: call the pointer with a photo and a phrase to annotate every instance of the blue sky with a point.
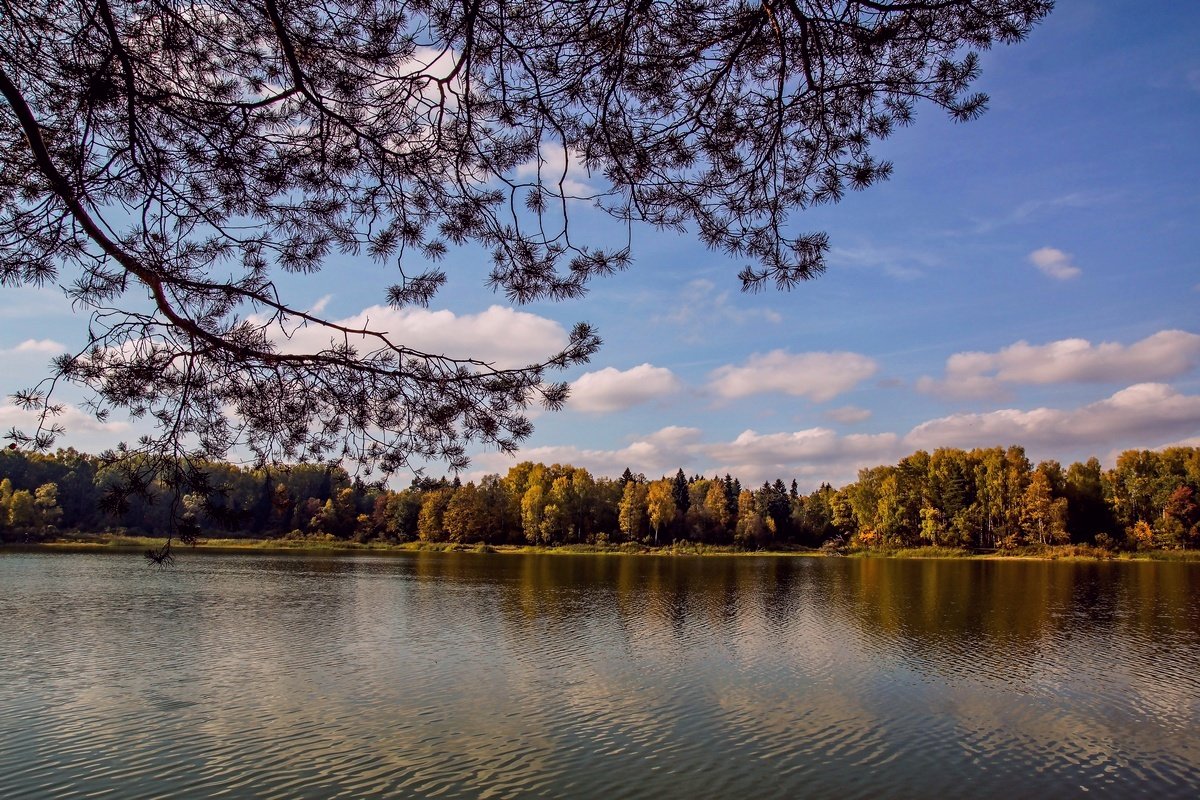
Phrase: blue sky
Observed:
(1031, 277)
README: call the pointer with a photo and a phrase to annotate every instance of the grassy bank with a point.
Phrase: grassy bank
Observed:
(319, 545)
(1066, 552)
(86, 542)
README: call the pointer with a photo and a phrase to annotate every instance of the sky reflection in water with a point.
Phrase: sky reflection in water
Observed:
(496, 676)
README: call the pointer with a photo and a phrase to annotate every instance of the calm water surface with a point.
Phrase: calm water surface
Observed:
(469, 675)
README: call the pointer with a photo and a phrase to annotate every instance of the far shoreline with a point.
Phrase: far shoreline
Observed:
(308, 546)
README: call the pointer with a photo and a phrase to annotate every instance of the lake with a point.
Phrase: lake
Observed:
(502, 675)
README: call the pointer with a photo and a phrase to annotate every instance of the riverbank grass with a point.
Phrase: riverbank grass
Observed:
(330, 545)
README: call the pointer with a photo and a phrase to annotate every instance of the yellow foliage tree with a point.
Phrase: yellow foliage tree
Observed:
(660, 505)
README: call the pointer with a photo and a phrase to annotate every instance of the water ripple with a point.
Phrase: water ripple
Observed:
(440, 675)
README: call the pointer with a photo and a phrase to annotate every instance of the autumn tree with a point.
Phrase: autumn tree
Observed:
(1181, 517)
(1001, 477)
(6, 495)
(466, 517)
(564, 504)
(533, 513)
(399, 514)
(166, 163)
(45, 498)
(894, 514)
(22, 511)
(934, 529)
(282, 505)
(1043, 515)
(950, 491)
(864, 496)
(338, 516)
(717, 507)
(1141, 535)
(431, 519)
(574, 494)
(751, 528)
(502, 517)
(660, 505)
(1143, 489)
(1131, 485)
(632, 517)
(841, 512)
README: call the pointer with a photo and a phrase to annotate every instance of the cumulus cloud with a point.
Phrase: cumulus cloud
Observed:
(673, 438)
(813, 456)
(1143, 414)
(500, 335)
(817, 376)
(810, 446)
(1166, 354)
(71, 418)
(1055, 263)
(848, 415)
(83, 430)
(656, 454)
(319, 306)
(610, 389)
(559, 170)
(36, 346)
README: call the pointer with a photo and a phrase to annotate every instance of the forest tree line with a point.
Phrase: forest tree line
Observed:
(982, 498)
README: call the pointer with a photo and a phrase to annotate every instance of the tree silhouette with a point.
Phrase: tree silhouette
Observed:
(166, 163)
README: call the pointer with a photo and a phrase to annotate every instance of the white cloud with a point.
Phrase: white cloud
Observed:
(673, 438)
(656, 454)
(34, 303)
(701, 307)
(41, 346)
(813, 446)
(818, 376)
(1166, 354)
(561, 171)
(83, 430)
(432, 62)
(414, 82)
(500, 335)
(321, 304)
(1141, 415)
(848, 415)
(610, 389)
(895, 262)
(1145, 415)
(814, 455)
(1055, 263)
